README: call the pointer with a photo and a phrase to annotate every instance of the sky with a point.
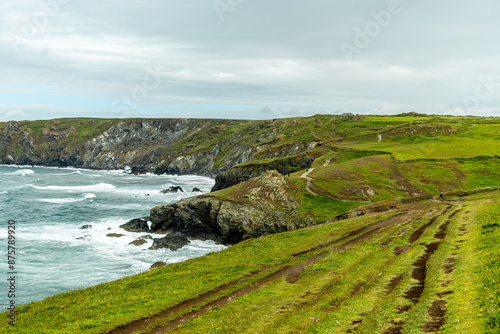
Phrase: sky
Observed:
(247, 59)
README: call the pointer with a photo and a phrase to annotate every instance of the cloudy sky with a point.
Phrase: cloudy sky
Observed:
(247, 58)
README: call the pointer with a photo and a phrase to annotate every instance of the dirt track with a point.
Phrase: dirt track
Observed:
(292, 272)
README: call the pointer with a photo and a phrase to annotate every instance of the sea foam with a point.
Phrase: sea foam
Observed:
(94, 187)
(23, 172)
(68, 200)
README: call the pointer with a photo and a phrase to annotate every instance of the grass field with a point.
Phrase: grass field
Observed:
(425, 266)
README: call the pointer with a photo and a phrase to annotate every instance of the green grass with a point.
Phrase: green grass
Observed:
(323, 208)
(489, 266)
(395, 119)
(434, 141)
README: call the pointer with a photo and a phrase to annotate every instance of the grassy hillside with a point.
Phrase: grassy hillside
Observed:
(423, 266)
(418, 266)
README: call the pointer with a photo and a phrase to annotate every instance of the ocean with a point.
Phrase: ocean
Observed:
(48, 207)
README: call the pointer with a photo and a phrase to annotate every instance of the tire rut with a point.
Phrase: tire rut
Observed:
(293, 272)
(437, 310)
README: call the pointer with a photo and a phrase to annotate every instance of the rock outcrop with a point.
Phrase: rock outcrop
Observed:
(115, 235)
(158, 264)
(172, 190)
(137, 225)
(257, 207)
(138, 242)
(172, 242)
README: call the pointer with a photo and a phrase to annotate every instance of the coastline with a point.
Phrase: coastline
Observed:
(66, 232)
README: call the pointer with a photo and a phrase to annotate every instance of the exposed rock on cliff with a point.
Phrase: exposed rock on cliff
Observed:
(173, 146)
(249, 170)
(260, 206)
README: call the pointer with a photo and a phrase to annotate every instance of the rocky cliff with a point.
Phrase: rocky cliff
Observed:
(246, 171)
(260, 206)
(174, 146)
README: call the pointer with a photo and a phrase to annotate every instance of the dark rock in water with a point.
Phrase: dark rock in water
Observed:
(196, 190)
(137, 225)
(158, 264)
(141, 240)
(138, 242)
(172, 242)
(115, 235)
(86, 227)
(172, 190)
(136, 170)
(85, 237)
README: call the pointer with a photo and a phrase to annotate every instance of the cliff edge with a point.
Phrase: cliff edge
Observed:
(260, 206)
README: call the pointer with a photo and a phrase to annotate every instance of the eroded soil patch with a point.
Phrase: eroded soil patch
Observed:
(441, 233)
(420, 273)
(396, 329)
(437, 311)
(418, 233)
(401, 249)
(395, 281)
(449, 265)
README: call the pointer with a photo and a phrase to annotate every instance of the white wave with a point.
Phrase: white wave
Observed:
(68, 200)
(60, 200)
(94, 187)
(23, 172)
(89, 196)
(64, 174)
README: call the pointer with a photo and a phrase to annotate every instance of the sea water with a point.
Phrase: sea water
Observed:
(53, 254)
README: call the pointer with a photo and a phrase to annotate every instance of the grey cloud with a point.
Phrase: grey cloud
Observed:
(275, 54)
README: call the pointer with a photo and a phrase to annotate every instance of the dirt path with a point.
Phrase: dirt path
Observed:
(292, 272)
(305, 175)
(437, 310)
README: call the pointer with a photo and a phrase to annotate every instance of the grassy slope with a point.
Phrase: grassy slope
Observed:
(347, 288)
(341, 288)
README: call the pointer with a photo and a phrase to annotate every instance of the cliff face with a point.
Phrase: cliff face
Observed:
(175, 146)
(244, 172)
(260, 206)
